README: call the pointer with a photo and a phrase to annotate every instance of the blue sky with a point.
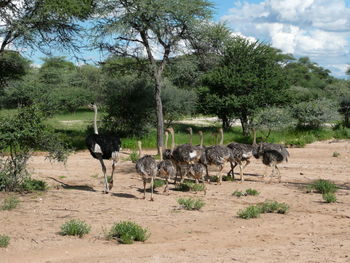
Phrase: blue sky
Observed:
(319, 29)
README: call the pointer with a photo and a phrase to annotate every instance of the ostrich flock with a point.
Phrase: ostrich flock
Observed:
(185, 160)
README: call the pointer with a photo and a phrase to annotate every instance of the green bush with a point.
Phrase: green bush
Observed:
(251, 191)
(75, 227)
(187, 186)
(324, 186)
(191, 204)
(273, 206)
(158, 183)
(250, 212)
(134, 156)
(10, 203)
(127, 232)
(329, 197)
(4, 241)
(238, 193)
(34, 185)
(336, 154)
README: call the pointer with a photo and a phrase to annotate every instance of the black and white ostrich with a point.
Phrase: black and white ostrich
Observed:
(166, 168)
(146, 166)
(103, 147)
(272, 154)
(218, 155)
(240, 153)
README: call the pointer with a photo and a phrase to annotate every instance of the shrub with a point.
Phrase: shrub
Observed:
(324, 186)
(191, 204)
(189, 186)
(251, 191)
(314, 113)
(238, 193)
(329, 197)
(10, 203)
(75, 227)
(4, 241)
(127, 232)
(226, 178)
(158, 183)
(250, 212)
(273, 206)
(336, 154)
(134, 156)
(34, 185)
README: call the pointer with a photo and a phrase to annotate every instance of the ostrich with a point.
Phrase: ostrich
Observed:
(103, 146)
(191, 133)
(146, 166)
(272, 154)
(166, 168)
(183, 155)
(217, 155)
(198, 171)
(240, 153)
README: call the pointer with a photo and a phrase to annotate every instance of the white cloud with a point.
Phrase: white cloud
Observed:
(319, 29)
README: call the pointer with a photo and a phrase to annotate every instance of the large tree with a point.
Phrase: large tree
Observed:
(148, 28)
(41, 23)
(250, 76)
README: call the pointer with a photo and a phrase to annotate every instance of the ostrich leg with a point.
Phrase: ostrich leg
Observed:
(231, 173)
(114, 163)
(104, 174)
(152, 183)
(144, 188)
(241, 171)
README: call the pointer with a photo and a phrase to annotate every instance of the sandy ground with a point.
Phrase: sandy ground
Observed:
(312, 231)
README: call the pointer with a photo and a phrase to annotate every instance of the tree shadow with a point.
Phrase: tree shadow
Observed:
(74, 187)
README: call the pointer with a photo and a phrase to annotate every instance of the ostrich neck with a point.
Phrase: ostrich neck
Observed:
(172, 141)
(190, 137)
(166, 140)
(201, 143)
(140, 148)
(222, 137)
(95, 121)
(161, 153)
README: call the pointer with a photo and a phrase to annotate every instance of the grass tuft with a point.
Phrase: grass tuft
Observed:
(324, 186)
(190, 203)
(251, 191)
(9, 203)
(158, 183)
(329, 197)
(187, 186)
(238, 193)
(4, 241)
(336, 154)
(75, 227)
(250, 212)
(127, 232)
(134, 156)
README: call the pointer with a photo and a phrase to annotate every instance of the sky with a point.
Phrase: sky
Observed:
(318, 29)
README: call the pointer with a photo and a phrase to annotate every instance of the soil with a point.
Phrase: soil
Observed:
(312, 231)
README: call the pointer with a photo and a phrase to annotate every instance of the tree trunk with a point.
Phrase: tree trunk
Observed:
(159, 112)
(347, 121)
(245, 125)
(225, 122)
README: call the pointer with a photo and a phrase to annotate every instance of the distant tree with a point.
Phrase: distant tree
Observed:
(345, 110)
(141, 28)
(314, 113)
(249, 77)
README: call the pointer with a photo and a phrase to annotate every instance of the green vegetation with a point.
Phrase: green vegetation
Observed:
(329, 197)
(75, 227)
(4, 241)
(254, 211)
(134, 156)
(336, 154)
(127, 232)
(187, 186)
(249, 191)
(9, 203)
(158, 183)
(34, 185)
(250, 212)
(190, 203)
(324, 186)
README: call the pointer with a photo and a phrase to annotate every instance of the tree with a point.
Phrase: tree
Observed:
(250, 76)
(143, 26)
(345, 110)
(12, 66)
(42, 24)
